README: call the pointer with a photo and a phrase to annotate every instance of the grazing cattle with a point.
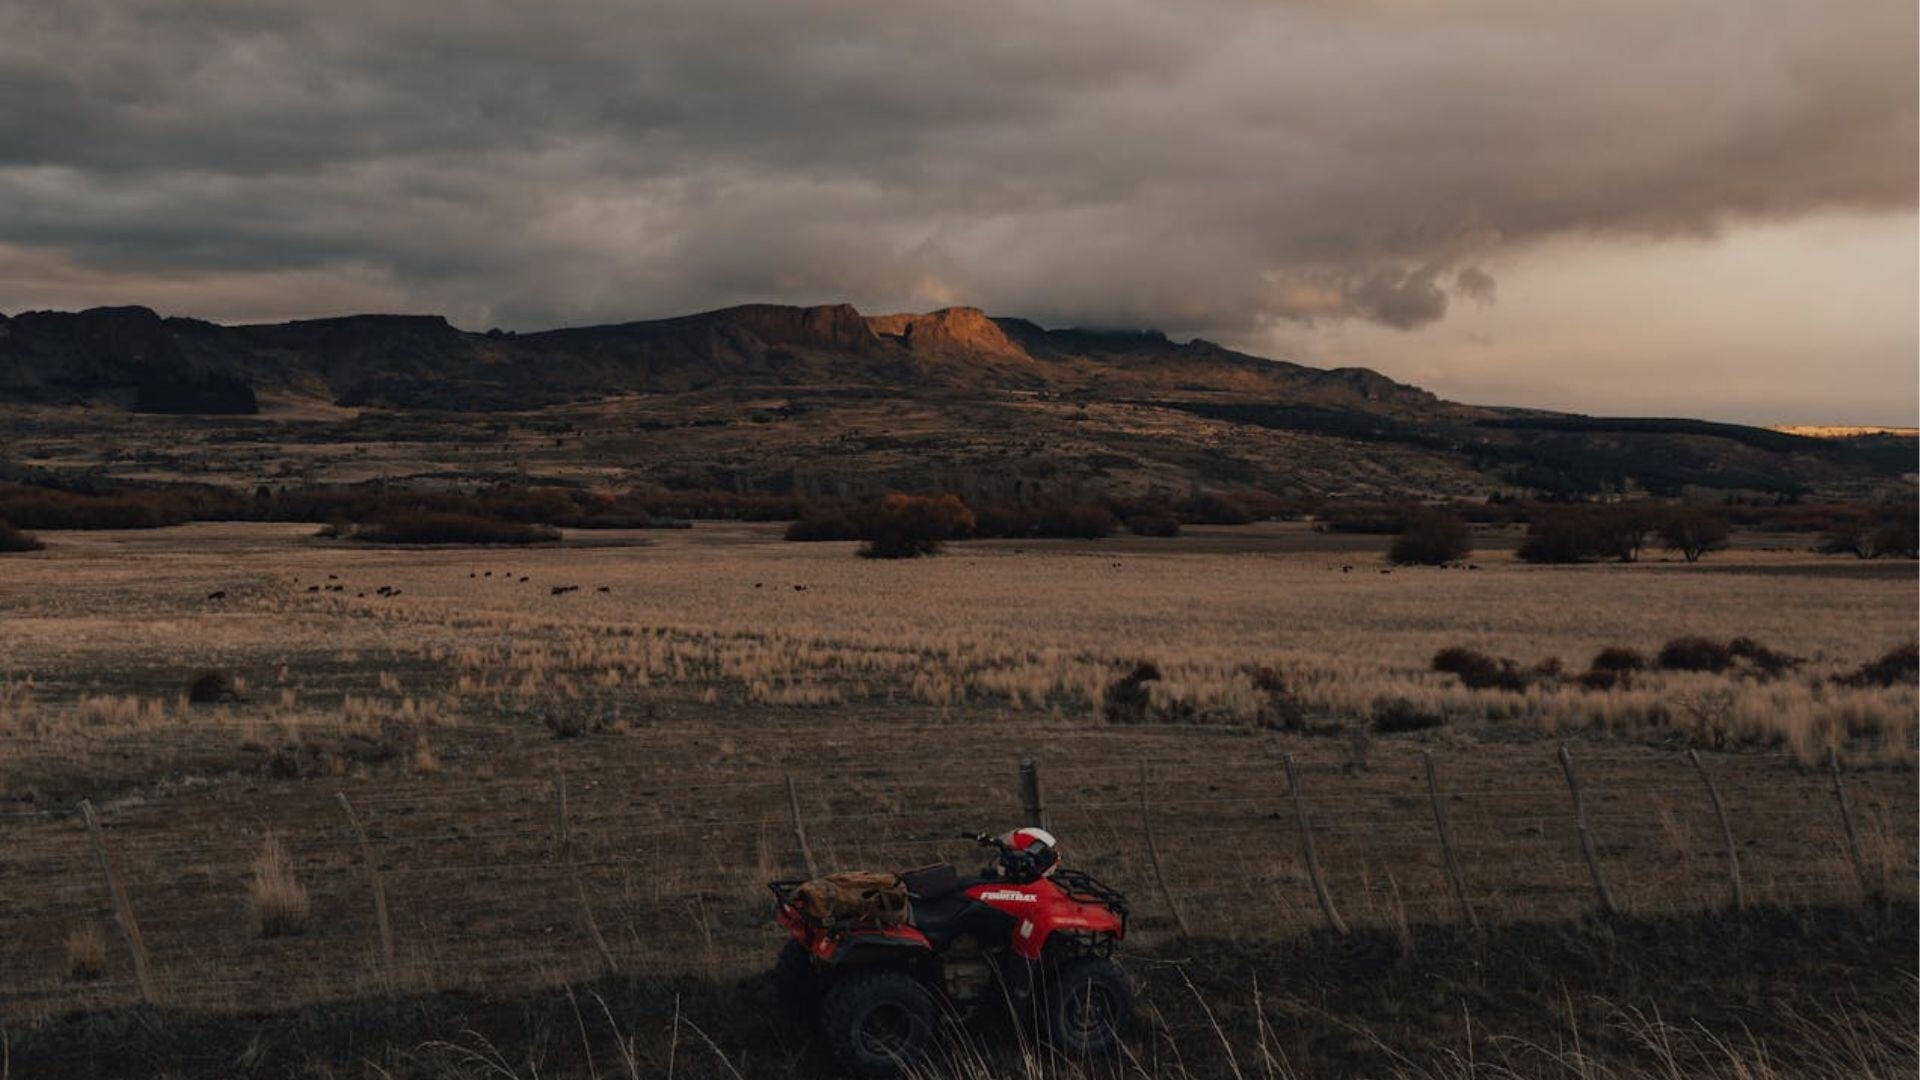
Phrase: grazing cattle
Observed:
(1386, 571)
(1473, 566)
(1346, 569)
(799, 588)
(523, 581)
(384, 590)
(313, 588)
(489, 573)
(603, 588)
(559, 590)
(217, 594)
(472, 574)
(333, 577)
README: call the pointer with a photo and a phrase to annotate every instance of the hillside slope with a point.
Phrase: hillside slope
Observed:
(1074, 407)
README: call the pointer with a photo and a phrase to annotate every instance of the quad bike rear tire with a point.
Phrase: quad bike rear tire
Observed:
(1089, 1003)
(878, 1022)
(795, 986)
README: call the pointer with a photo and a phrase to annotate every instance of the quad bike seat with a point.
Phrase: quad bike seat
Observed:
(941, 909)
(931, 882)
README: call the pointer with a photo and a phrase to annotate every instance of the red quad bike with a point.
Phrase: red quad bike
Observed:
(1019, 937)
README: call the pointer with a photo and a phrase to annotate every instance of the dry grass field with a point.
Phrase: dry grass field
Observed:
(442, 692)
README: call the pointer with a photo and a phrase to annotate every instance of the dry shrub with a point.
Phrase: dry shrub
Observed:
(1478, 671)
(211, 684)
(1695, 653)
(1128, 699)
(277, 899)
(1898, 666)
(13, 540)
(1431, 539)
(1397, 714)
(1613, 667)
(86, 952)
(1768, 662)
(908, 526)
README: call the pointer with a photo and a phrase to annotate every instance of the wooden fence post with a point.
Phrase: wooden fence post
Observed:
(1153, 853)
(1306, 844)
(562, 841)
(1030, 794)
(800, 830)
(1454, 877)
(122, 908)
(1586, 834)
(1867, 885)
(379, 889)
(1736, 893)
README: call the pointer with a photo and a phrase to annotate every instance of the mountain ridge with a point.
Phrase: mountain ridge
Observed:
(135, 357)
(912, 398)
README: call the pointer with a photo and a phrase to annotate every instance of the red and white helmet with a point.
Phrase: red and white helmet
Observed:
(1040, 850)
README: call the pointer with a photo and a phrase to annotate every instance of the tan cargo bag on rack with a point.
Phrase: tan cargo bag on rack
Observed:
(856, 896)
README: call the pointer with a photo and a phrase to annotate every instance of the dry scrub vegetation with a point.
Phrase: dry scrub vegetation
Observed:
(1261, 633)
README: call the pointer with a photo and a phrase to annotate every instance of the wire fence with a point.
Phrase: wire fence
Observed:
(534, 880)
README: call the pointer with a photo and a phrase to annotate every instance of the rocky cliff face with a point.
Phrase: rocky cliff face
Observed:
(956, 331)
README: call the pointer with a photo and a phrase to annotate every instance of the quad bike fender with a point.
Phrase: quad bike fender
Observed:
(1031, 935)
(1044, 910)
(880, 945)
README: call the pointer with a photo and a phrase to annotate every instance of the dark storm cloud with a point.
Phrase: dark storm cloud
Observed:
(1204, 167)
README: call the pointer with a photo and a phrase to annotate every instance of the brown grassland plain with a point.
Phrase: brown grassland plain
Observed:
(443, 690)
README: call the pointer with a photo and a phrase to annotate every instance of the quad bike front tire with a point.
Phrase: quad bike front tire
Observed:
(1088, 1002)
(878, 1022)
(795, 986)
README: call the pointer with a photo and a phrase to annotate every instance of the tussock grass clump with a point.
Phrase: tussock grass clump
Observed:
(210, 685)
(447, 528)
(276, 898)
(1391, 715)
(86, 952)
(13, 540)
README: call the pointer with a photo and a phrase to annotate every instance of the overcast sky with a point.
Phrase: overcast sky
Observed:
(1698, 207)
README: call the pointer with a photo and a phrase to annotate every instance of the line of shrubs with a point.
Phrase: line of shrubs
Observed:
(1562, 532)
(38, 507)
(1584, 533)
(900, 525)
(439, 527)
(1614, 667)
